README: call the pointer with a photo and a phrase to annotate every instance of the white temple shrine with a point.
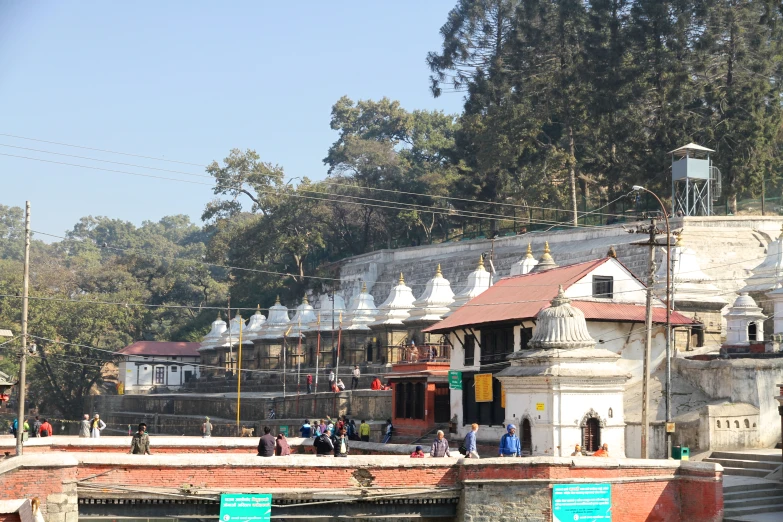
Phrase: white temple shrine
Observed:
(255, 326)
(524, 265)
(278, 321)
(434, 302)
(477, 282)
(564, 391)
(303, 316)
(547, 262)
(361, 311)
(744, 322)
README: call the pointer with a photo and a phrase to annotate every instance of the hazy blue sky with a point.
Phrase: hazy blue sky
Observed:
(189, 81)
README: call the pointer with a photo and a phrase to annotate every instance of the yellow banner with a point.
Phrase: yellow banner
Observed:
(502, 397)
(483, 384)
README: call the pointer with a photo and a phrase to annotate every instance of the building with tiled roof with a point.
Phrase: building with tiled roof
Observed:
(147, 365)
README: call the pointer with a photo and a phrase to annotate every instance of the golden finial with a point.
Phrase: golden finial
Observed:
(277, 299)
(304, 300)
(546, 247)
(219, 317)
(481, 262)
(529, 251)
(319, 318)
(364, 287)
(341, 318)
(258, 308)
(678, 243)
(402, 279)
(612, 252)
(438, 273)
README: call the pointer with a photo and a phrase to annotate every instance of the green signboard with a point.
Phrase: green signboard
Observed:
(582, 502)
(455, 380)
(283, 430)
(242, 507)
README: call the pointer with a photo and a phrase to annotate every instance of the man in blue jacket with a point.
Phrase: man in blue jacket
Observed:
(509, 443)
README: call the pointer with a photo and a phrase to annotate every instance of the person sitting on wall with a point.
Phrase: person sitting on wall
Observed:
(376, 384)
(578, 451)
(603, 451)
(340, 385)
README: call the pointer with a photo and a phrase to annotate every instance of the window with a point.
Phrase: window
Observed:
(470, 349)
(160, 374)
(173, 369)
(525, 335)
(603, 287)
(485, 413)
(496, 344)
(752, 332)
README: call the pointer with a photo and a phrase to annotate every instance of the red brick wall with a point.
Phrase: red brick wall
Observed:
(27, 483)
(9, 517)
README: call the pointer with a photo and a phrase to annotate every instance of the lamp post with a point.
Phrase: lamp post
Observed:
(637, 188)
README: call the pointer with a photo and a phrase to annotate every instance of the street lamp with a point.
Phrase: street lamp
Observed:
(637, 188)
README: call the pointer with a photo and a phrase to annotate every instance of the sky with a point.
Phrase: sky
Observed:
(187, 82)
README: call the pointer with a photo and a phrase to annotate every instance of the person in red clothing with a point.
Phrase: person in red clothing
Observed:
(46, 429)
(309, 383)
(376, 384)
(418, 454)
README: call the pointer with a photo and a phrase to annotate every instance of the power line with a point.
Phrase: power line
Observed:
(343, 185)
(101, 150)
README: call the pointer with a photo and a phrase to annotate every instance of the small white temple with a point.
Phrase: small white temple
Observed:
(396, 308)
(477, 282)
(564, 391)
(361, 310)
(744, 322)
(434, 302)
(692, 288)
(547, 262)
(255, 325)
(328, 310)
(524, 265)
(278, 321)
(767, 275)
(213, 338)
(231, 336)
(303, 316)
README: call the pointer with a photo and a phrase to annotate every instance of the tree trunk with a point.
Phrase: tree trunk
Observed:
(572, 174)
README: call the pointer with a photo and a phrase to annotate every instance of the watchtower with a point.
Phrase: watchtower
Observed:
(696, 184)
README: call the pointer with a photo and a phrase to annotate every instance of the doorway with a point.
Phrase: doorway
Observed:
(591, 435)
(442, 403)
(527, 438)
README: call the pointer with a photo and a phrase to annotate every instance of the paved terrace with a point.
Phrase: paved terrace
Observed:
(78, 478)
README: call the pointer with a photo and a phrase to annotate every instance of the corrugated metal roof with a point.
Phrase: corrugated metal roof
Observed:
(161, 348)
(522, 297)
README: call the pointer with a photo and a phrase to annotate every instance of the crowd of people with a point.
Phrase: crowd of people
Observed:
(336, 384)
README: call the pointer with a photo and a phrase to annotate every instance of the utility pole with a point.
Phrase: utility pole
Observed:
(648, 345)
(334, 362)
(23, 360)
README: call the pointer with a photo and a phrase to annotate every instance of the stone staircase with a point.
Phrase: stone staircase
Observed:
(740, 501)
(745, 464)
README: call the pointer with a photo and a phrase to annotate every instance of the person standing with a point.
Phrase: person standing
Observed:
(355, 374)
(309, 383)
(331, 379)
(389, 430)
(140, 443)
(353, 432)
(323, 445)
(267, 444)
(470, 442)
(271, 415)
(84, 427)
(306, 429)
(206, 428)
(364, 431)
(96, 426)
(45, 430)
(509, 443)
(36, 427)
(340, 443)
(440, 447)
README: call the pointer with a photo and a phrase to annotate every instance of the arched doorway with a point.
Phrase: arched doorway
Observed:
(752, 332)
(526, 438)
(369, 352)
(591, 435)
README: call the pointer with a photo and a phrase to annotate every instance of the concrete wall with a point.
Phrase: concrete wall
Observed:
(750, 381)
(183, 413)
(656, 440)
(488, 489)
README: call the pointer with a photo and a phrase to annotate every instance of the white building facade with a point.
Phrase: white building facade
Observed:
(147, 365)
